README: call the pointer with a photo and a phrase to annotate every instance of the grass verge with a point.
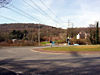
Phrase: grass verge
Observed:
(75, 48)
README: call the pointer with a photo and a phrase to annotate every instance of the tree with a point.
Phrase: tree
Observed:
(19, 35)
(16, 34)
(13, 34)
(72, 32)
(2, 38)
(92, 37)
(25, 32)
(97, 33)
(94, 34)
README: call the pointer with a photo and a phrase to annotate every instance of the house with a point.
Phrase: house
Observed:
(82, 35)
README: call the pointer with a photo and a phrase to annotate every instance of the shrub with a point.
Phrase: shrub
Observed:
(78, 41)
(60, 41)
(2, 39)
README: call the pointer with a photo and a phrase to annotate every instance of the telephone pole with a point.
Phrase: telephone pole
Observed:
(68, 27)
(68, 22)
(39, 34)
(72, 24)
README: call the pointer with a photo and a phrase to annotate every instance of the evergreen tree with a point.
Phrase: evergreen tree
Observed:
(97, 33)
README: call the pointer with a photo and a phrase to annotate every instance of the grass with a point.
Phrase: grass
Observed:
(75, 48)
(44, 43)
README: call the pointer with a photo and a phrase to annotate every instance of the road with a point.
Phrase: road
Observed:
(25, 61)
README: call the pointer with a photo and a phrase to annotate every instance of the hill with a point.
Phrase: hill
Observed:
(32, 29)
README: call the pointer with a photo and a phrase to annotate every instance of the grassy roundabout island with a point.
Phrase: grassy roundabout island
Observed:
(75, 48)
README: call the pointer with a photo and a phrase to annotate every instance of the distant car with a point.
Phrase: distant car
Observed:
(76, 44)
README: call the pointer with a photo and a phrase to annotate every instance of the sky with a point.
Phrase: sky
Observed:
(57, 13)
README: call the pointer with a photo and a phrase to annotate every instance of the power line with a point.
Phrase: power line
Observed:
(8, 18)
(40, 10)
(50, 10)
(32, 7)
(22, 13)
(47, 7)
(56, 17)
(43, 11)
(18, 12)
(25, 13)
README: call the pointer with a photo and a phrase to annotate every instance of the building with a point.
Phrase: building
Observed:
(81, 35)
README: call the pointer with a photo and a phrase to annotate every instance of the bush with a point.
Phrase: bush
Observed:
(60, 41)
(19, 43)
(24, 43)
(2, 39)
(78, 41)
(4, 44)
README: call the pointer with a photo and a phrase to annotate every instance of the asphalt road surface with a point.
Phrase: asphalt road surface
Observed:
(25, 61)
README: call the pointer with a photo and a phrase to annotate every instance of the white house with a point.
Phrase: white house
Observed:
(78, 36)
(81, 35)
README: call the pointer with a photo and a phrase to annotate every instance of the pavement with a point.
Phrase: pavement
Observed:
(26, 61)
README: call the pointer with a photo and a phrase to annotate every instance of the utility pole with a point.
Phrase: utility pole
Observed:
(72, 29)
(68, 41)
(72, 25)
(68, 23)
(39, 34)
(68, 26)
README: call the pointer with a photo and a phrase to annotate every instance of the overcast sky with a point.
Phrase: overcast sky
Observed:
(57, 12)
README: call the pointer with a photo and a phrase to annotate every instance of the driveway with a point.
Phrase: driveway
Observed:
(25, 61)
